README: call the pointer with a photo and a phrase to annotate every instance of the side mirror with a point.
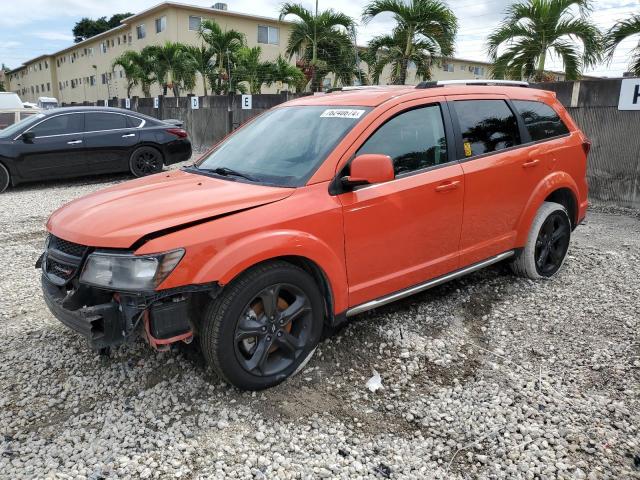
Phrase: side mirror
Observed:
(368, 169)
(27, 137)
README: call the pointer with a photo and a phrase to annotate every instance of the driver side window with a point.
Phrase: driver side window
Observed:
(414, 140)
(59, 125)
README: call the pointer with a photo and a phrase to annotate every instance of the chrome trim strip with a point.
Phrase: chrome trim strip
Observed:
(426, 285)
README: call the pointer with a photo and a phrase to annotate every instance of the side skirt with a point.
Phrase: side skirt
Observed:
(392, 297)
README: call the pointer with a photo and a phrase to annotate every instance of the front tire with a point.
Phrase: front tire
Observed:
(264, 327)
(547, 244)
(5, 178)
(145, 161)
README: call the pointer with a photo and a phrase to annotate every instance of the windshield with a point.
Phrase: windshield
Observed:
(284, 146)
(13, 130)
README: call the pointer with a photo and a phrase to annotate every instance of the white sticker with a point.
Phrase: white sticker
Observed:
(342, 113)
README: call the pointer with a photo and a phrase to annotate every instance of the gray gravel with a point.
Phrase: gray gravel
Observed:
(487, 377)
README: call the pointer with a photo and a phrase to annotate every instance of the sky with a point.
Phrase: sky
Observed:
(29, 28)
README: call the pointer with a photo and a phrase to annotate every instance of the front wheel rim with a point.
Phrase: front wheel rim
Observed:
(552, 244)
(146, 163)
(274, 330)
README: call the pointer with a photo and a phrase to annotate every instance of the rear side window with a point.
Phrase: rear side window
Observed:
(541, 120)
(487, 126)
(59, 125)
(134, 122)
(413, 139)
(96, 122)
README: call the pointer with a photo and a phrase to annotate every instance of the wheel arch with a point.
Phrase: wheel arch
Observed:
(557, 187)
(298, 248)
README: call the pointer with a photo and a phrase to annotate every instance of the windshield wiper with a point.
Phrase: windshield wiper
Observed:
(229, 172)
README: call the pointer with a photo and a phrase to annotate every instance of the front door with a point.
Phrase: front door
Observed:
(406, 231)
(109, 140)
(56, 150)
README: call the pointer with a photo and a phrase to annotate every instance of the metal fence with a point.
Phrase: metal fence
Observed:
(614, 161)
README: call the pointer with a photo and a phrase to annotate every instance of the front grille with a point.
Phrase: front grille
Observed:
(63, 260)
(64, 246)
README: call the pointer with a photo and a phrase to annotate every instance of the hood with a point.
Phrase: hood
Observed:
(116, 217)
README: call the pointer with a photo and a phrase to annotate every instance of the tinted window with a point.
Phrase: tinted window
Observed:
(134, 122)
(413, 139)
(59, 125)
(95, 122)
(487, 126)
(541, 120)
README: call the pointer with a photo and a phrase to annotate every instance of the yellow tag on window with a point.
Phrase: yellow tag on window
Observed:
(467, 149)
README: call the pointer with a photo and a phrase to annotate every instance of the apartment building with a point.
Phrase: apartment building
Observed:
(85, 72)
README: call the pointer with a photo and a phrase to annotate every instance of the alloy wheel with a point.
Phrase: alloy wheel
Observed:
(273, 330)
(146, 163)
(552, 243)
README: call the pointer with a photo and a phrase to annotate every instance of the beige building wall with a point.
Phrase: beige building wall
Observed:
(85, 72)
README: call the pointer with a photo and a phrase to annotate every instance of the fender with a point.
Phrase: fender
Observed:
(552, 182)
(237, 257)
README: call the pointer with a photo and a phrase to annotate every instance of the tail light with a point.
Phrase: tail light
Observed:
(586, 146)
(178, 132)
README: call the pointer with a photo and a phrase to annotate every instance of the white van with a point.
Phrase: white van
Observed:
(12, 110)
(45, 103)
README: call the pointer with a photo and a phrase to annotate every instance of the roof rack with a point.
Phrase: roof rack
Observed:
(351, 88)
(443, 83)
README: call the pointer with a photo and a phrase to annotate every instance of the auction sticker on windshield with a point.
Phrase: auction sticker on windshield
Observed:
(342, 113)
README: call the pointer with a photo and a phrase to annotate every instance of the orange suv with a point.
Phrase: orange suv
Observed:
(315, 211)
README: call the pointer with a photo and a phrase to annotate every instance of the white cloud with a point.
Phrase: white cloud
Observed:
(9, 44)
(54, 36)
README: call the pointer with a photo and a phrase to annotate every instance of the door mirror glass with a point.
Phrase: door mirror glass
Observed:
(27, 137)
(368, 169)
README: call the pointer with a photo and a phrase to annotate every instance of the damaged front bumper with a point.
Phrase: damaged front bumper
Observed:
(109, 318)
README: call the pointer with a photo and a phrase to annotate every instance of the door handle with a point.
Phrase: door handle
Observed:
(445, 187)
(129, 135)
(74, 142)
(531, 163)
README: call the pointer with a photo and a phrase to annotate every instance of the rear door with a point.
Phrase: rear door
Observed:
(501, 171)
(110, 137)
(57, 149)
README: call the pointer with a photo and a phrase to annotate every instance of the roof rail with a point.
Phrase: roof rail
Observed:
(351, 88)
(443, 83)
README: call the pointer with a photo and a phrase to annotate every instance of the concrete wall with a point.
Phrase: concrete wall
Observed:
(614, 162)
(208, 124)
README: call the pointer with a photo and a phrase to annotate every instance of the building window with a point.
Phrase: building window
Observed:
(478, 71)
(194, 22)
(92, 80)
(448, 67)
(463, 68)
(104, 78)
(161, 24)
(141, 31)
(48, 87)
(268, 35)
(103, 47)
(129, 38)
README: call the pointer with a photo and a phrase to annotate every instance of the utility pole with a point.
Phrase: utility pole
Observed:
(231, 94)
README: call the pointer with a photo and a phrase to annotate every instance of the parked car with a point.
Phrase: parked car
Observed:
(79, 141)
(320, 209)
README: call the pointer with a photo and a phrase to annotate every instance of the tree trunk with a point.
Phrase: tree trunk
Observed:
(405, 57)
(540, 68)
(204, 82)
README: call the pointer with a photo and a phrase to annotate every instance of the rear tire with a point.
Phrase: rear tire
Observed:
(145, 161)
(5, 178)
(547, 243)
(264, 327)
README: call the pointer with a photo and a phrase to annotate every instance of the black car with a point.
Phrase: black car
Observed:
(79, 141)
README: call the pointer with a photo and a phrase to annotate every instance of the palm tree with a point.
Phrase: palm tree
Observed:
(129, 61)
(425, 29)
(283, 73)
(174, 66)
(251, 69)
(316, 37)
(533, 29)
(224, 44)
(203, 59)
(620, 31)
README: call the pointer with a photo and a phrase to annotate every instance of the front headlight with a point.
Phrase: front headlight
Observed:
(117, 271)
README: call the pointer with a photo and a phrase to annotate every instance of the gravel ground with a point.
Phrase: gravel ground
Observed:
(487, 377)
